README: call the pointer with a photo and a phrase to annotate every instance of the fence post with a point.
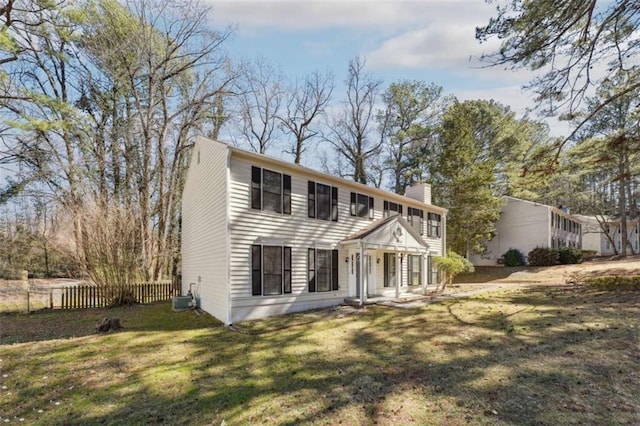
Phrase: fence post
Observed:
(24, 277)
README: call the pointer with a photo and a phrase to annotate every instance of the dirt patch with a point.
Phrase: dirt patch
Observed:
(552, 274)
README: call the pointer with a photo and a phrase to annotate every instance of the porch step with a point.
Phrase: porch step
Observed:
(407, 299)
(354, 301)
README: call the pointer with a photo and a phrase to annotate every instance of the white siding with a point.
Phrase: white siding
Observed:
(523, 226)
(297, 231)
(204, 228)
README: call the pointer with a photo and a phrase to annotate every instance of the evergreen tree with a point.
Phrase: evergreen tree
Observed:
(465, 182)
(412, 110)
(576, 44)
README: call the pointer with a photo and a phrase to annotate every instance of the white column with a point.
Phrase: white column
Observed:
(363, 271)
(398, 274)
(423, 273)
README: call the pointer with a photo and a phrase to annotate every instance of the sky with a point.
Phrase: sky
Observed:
(428, 40)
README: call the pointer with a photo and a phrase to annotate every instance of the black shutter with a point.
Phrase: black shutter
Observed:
(421, 222)
(286, 192)
(311, 198)
(334, 204)
(353, 209)
(385, 208)
(400, 209)
(386, 269)
(311, 261)
(256, 201)
(370, 207)
(287, 270)
(334, 269)
(256, 270)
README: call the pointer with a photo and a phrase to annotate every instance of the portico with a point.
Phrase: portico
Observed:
(387, 258)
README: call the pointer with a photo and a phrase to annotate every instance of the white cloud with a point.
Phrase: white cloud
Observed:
(379, 15)
(436, 46)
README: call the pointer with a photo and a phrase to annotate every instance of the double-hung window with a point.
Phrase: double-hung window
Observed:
(433, 225)
(432, 271)
(415, 217)
(270, 270)
(391, 209)
(270, 191)
(414, 269)
(322, 201)
(390, 270)
(361, 205)
(322, 270)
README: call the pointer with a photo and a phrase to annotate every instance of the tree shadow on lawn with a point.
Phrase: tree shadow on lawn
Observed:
(64, 324)
(515, 358)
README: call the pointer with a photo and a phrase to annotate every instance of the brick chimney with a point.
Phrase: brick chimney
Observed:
(420, 192)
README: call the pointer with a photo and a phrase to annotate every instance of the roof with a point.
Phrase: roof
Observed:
(535, 203)
(327, 177)
(381, 223)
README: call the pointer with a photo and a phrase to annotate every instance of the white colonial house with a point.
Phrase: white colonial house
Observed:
(595, 230)
(525, 225)
(261, 236)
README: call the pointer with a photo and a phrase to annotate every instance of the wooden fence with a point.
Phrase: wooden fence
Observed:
(90, 296)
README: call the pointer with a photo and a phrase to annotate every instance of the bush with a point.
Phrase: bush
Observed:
(569, 255)
(615, 282)
(543, 256)
(513, 257)
(452, 265)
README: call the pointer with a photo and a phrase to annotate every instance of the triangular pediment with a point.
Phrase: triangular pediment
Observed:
(391, 233)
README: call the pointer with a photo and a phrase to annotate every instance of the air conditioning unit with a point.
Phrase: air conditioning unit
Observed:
(182, 302)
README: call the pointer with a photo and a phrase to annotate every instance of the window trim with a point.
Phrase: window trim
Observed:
(257, 191)
(410, 218)
(434, 222)
(387, 209)
(312, 267)
(313, 204)
(368, 203)
(257, 288)
(411, 272)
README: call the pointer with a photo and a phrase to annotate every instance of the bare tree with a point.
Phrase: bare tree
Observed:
(108, 108)
(305, 103)
(351, 130)
(258, 104)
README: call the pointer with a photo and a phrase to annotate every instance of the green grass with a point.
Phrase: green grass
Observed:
(556, 355)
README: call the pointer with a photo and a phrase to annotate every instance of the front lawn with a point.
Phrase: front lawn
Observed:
(552, 355)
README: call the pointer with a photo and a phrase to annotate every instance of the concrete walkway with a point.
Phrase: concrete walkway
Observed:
(458, 291)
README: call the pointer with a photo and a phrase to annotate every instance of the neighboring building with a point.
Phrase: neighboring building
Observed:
(525, 225)
(594, 238)
(263, 237)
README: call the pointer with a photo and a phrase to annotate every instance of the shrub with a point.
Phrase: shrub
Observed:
(543, 256)
(569, 255)
(615, 282)
(513, 257)
(452, 265)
